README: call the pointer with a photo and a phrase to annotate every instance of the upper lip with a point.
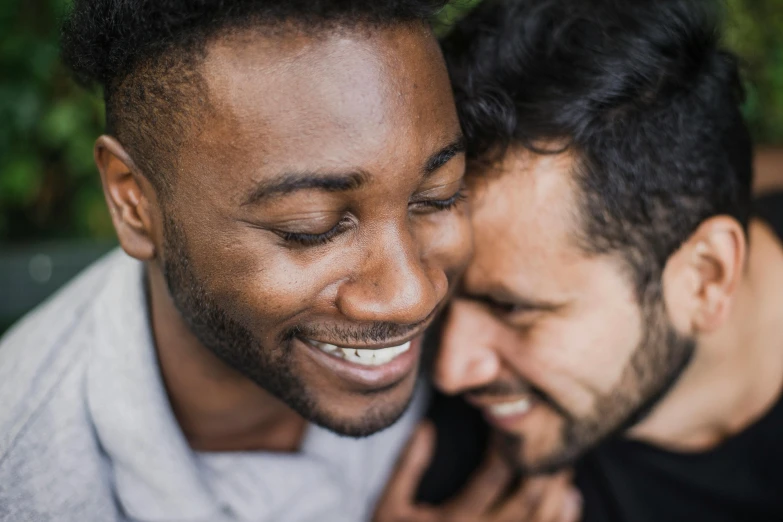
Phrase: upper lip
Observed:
(419, 331)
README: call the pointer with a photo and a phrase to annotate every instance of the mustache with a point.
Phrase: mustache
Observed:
(375, 332)
(518, 387)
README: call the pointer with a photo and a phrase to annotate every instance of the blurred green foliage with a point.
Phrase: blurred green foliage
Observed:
(755, 32)
(49, 187)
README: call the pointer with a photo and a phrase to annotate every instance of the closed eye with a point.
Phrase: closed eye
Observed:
(444, 204)
(309, 240)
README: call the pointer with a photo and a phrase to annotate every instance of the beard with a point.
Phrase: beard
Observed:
(656, 364)
(271, 368)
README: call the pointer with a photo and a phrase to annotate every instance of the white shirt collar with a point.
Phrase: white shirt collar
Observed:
(159, 478)
(156, 477)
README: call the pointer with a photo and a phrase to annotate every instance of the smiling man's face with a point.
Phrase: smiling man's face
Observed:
(316, 223)
(551, 342)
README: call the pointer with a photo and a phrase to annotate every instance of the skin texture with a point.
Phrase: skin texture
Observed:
(232, 293)
(538, 318)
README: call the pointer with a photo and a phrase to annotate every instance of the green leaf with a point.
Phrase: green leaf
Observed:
(92, 214)
(453, 13)
(78, 155)
(60, 123)
(20, 180)
(24, 107)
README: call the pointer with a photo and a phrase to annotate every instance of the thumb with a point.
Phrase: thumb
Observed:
(401, 489)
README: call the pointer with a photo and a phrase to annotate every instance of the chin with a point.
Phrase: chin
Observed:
(543, 461)
(375, 418)
(549, 465)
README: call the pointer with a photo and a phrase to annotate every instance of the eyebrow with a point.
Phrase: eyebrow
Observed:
(505, 299)
(290, 182)
(444, 155)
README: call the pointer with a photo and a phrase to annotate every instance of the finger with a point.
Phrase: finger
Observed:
(484, 487)
(551, 506)
(410, 468)
(572, 512)
(523, 503)
(416, 514)
(555, 500)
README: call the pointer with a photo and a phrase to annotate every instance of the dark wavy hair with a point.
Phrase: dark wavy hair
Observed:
(640, 90)
(144, 54)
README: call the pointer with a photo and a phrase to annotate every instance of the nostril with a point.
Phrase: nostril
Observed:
(453, 376)
(396, 296)
(445, 384)
(449, 375)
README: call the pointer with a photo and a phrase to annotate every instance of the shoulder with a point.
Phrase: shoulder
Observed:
(43, 349)
(51, 466)
(54, 471)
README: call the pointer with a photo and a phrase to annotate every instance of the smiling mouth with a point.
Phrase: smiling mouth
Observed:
(511, 408)
(362, 356)
(504, 413)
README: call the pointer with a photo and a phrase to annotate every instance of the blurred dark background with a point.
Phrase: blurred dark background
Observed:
(53, 220)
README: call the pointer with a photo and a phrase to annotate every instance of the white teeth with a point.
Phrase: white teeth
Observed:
(328, 348)
(364, 356)
(402, 348)
(348, 352)
(507, 409)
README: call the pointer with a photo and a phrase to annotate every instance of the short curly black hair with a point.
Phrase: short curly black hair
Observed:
(144, 54)
(640, 90)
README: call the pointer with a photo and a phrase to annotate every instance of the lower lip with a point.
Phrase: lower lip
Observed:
(508, 422)
(367, 378)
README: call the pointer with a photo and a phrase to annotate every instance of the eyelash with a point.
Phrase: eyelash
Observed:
(310, 240)
(447, 204)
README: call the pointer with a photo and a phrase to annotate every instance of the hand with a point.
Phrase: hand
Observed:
(549, 498)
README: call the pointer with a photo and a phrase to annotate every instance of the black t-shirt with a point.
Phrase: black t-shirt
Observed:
(629, 481)
(741, 480)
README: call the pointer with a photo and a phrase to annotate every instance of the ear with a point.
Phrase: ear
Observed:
(701, 279)
(128, 196)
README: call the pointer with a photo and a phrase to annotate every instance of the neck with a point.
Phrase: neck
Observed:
(736, 374)
(217, 408)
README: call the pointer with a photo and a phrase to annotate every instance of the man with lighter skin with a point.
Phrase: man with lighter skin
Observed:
(622, 314)
(285, 180)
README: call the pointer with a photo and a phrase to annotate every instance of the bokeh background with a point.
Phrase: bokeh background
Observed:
(53, 220)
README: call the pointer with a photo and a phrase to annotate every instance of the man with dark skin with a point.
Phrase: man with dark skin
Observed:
(621, 315)
(285, 180)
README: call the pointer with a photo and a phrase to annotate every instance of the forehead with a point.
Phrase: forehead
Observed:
(295, 101)
(525, 217)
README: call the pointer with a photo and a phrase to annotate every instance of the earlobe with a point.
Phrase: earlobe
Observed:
(125, 194)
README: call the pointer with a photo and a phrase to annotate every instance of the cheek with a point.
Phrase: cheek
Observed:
(578, 361)
(446, 240)
(262, 284)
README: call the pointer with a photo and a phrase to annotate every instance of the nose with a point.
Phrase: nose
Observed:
(395, 284)
(467, 357)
